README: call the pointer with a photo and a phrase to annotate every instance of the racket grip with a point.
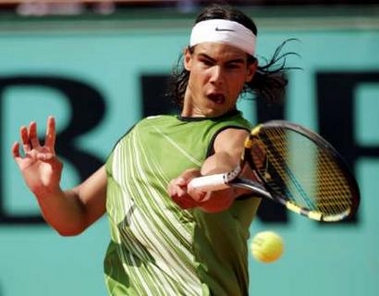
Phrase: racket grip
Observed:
(209, 183)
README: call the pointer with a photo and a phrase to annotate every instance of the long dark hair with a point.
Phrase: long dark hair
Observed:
(269, 80)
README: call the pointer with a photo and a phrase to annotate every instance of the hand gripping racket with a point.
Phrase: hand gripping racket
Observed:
(295, 167)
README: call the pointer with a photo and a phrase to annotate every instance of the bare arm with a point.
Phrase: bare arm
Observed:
(228, 147)
(69, 212)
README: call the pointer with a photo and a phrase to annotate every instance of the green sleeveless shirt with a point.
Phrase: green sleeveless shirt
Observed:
(157, 248)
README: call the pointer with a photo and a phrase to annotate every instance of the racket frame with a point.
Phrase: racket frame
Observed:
(312, 214)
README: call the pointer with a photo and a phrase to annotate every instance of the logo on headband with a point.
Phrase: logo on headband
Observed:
(223, 30)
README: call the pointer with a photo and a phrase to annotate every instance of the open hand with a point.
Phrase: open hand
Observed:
(39, 165)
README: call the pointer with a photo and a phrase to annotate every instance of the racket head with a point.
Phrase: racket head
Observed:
(301, 170)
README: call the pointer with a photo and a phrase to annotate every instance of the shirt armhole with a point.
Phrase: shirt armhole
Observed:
(210, 150)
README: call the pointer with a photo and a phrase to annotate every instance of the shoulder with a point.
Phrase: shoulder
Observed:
(229, 132)
(156, 120)
(234, 120)
(233, 127)
(230, 138)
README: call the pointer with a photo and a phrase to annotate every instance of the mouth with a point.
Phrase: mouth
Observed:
(217, 98)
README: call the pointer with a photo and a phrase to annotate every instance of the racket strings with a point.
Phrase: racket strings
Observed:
(336, 193)
(303, 172)
(278, 173)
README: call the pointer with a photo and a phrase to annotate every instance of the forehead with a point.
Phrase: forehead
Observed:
(220, 51)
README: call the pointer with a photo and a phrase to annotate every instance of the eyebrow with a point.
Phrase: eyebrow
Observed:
(237, 60)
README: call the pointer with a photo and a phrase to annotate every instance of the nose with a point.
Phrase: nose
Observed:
(217, 75)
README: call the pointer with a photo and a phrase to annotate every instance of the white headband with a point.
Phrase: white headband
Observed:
(224, 31)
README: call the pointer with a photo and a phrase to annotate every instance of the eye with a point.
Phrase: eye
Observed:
(206, 62)
(233, 66)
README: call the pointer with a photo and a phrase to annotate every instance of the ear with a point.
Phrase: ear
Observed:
(187, 60)
(251, 69)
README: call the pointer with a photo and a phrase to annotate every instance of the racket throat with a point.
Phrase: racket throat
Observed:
(254, 187)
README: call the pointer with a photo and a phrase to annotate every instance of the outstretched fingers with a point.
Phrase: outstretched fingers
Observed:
(32, 134)
(31, 144)
(24, 135)
(16, 150)
(50, 134)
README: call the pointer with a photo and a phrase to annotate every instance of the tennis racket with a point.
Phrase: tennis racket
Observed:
(295, 167)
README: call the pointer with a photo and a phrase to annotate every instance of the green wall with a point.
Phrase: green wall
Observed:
(110, 56)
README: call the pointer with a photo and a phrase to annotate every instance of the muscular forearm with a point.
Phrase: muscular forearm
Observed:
(216, 201)
(63, 211)
(219, 163)
(71, 212)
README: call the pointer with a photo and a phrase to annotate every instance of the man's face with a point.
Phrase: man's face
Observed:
(218, 73)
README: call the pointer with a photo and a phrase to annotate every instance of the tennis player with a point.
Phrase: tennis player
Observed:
(163, 239)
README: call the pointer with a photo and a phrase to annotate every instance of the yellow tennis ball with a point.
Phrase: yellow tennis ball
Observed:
(267, 246)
